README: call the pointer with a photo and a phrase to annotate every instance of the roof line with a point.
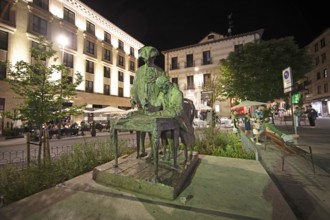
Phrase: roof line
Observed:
(260, 31)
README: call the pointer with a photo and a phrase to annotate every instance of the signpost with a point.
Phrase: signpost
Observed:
(287, 85)
(287, 80)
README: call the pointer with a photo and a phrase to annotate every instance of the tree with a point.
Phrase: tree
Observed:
(255, 72)
(41, 95)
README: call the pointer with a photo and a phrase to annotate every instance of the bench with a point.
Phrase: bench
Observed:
(286, 118)
(289, 149)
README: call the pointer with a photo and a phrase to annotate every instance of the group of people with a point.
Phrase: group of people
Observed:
(253, 127)
(311, 115)
(256, 128)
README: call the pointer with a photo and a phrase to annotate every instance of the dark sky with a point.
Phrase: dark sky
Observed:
(168, 24)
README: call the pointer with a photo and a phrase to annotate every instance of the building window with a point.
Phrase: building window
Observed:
(190, 82)
(5, 9)
(106, 89)
(131, 79)
(106, 72)
(3, 41)
(89, 86)
(210, 37)
(207, 80)
(120, 92)
(89, 67)
(318, 75)
(39, 25)
(41, 3)
(35, 45)
(107, 37)
(316, 47)
(3, 72)
(325, 73)
(131, 51)
(189, 60)
(174, 63)
(120, 76)
(89, 47)
(2, 104)
(206, 57)
(175, 80)
(323, 57)
(326, 89)
(131, 65)
(120, 45)
(68, 60)
(317, 61)
(70, 79)
(121, 61)
(69, 16)
(322, 42)
(106, 55)
(318, 89)
(72, 39)
(90, 28)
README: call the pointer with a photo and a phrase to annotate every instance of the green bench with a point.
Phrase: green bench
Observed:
(273, 135)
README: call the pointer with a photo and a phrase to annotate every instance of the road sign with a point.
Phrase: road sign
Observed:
(287, 80)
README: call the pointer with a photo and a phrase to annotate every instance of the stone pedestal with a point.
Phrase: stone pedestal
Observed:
(138, 175)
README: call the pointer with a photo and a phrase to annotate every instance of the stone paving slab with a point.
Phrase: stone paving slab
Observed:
(222, 188)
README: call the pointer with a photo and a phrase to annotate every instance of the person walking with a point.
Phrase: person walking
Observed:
(297, 113)
(234, 119)
(312, 115)
(247, 123)
(258, 130)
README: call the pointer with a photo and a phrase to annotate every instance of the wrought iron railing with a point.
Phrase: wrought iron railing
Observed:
(19, 158)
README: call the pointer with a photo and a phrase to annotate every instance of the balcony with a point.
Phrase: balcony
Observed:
(174, 66)
(89, 89)
(206, 85)
(189, 86)
(189, 64)
(206, 62)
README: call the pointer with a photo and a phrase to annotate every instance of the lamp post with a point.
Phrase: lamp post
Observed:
(63, 41)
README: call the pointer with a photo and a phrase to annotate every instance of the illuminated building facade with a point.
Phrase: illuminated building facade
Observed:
(316, 86)
(195, 67)
(105, 55)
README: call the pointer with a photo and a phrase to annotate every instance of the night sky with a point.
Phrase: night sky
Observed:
(168, 24)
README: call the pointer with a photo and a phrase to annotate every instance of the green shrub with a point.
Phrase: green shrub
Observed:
(212, 141)
(17, 184)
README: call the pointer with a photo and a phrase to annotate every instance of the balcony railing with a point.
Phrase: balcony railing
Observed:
(189, 64)
(174, 66)
(206, 62)
(189, 86)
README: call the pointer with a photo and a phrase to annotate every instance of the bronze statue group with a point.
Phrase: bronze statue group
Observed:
(154, 95)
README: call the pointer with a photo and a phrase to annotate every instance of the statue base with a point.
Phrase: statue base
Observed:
(138, 175)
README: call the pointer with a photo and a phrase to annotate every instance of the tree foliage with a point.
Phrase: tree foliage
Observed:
(42, 96)
(255, 72)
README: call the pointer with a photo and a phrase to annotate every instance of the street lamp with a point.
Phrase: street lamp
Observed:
(63, 41)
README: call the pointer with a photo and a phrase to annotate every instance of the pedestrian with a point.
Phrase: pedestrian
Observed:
(82, 128)
(258, 130)
(234, 119)
(297, 113)
(312, 115)
(247, 123)
(259, 113)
